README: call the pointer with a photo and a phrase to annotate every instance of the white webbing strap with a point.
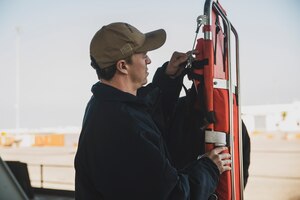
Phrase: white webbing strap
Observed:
(215, 137)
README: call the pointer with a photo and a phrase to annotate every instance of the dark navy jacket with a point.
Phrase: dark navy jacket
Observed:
(122, 154)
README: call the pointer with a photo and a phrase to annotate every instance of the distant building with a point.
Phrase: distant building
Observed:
(272, 118)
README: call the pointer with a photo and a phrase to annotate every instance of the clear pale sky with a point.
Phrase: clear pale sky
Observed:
(55, 75)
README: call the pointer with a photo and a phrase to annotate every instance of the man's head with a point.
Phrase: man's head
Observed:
(119, 41)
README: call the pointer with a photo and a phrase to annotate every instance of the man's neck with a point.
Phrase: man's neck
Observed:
(120, 84)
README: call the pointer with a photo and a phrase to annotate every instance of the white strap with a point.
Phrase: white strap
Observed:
(215, 137)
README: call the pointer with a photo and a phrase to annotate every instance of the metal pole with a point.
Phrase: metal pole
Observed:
(42, 175)
(230, 94)
(239, 111)
(17, 105)
(229, 29)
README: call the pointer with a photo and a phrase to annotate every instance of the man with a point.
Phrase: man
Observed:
(121, 152)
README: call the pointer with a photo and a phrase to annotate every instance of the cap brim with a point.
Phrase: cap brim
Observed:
(153, 40)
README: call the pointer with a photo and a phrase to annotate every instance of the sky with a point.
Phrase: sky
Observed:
(55, 77)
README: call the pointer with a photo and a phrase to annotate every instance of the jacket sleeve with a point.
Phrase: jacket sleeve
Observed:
(197, 181)
(170, 90)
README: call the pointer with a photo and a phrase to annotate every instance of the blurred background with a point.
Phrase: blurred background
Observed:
(46, 77)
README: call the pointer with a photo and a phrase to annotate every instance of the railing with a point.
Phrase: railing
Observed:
(52, 176)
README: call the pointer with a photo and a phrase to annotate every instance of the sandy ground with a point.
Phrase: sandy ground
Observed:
(274, 169)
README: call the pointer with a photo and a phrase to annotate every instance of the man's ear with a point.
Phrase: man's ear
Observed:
(122, 66)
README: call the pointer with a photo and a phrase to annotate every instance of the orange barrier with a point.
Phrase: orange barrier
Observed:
(49, 140)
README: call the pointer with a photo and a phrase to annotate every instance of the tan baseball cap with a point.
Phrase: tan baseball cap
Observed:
(120, 40)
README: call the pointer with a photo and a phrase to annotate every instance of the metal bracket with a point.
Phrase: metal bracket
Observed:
(223, 84)
(202, 20)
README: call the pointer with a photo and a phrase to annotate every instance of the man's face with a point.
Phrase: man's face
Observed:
(138, 70)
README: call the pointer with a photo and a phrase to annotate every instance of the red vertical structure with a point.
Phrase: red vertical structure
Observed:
(218, 81)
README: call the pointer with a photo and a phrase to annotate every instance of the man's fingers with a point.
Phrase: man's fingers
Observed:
(180, 58)
(193, 52)
(179, 55)
(220, 149)
(225, 168)
(225, 156)
(226, 162)
(221, 158)
(224, 165)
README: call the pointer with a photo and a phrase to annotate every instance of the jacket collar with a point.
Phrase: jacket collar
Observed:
(105, 92)
(108, 93)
